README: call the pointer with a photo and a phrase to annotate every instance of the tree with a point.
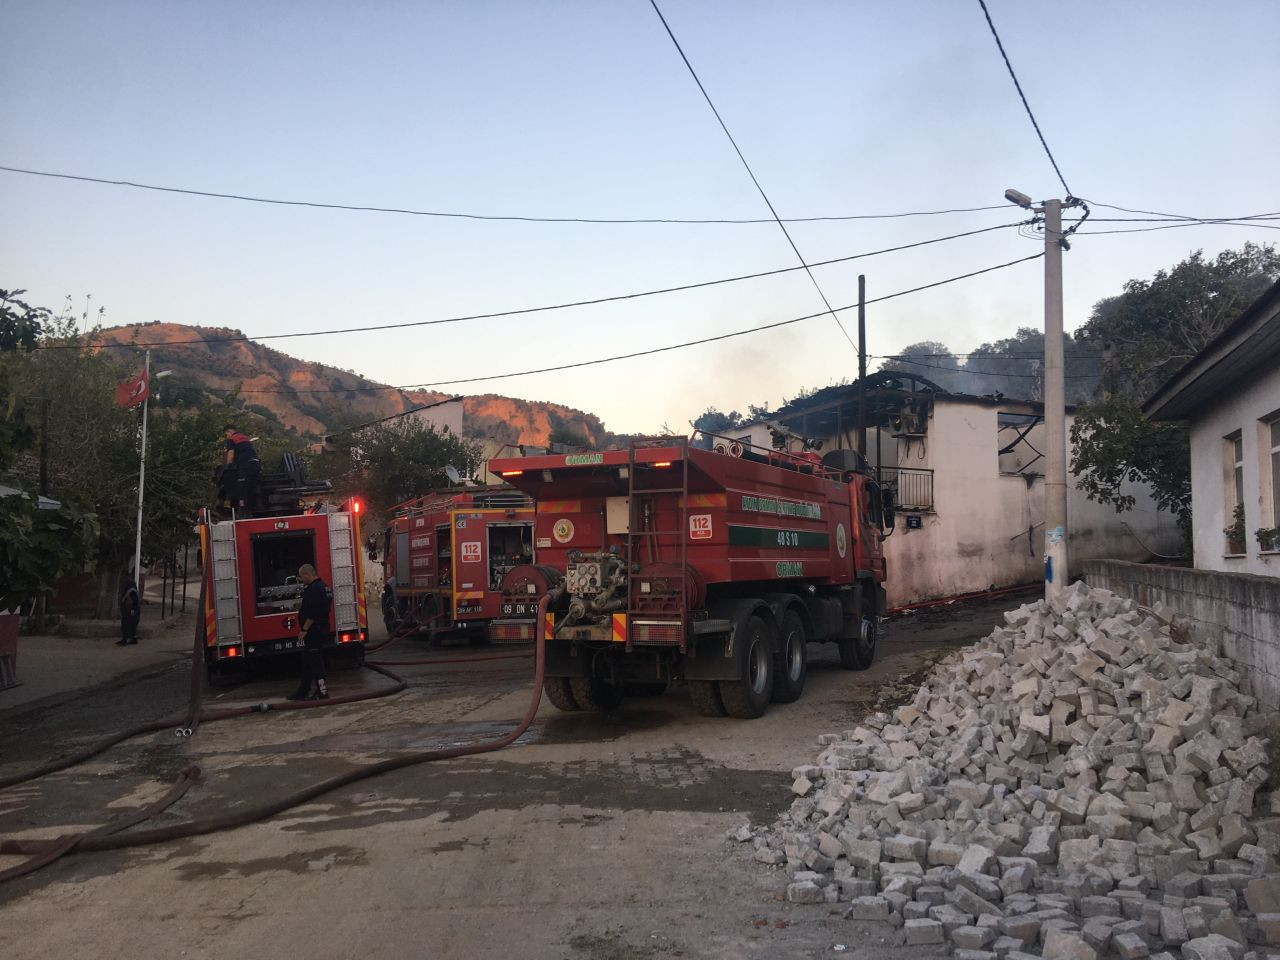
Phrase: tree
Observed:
(712, 421)
(39, 546)
(1145, 334)
(931, 360)
(397, 460)
(20, 326)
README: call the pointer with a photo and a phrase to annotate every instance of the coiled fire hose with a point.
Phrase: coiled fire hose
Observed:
(110, 836)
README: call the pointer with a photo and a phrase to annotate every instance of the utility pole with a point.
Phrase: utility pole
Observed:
(1056, 559)
(142, 479)
(862, 366)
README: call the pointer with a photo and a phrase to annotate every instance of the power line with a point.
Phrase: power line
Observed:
(1179, 216)
(540, 309)
(994, 373)
(1022, 96)
(1179, 224)
(645, 353)
(764, 196)
(518, 218)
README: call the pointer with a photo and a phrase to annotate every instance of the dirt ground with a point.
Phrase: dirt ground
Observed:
(594, 838)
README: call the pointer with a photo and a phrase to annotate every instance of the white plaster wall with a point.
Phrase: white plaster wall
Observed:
(1239, 411)
(986, 529)
(443, 416)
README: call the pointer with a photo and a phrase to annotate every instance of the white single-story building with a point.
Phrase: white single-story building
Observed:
(968, 478)
(1229, 393)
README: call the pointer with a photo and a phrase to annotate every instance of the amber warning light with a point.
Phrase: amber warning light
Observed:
(512, 473)
(663, 463)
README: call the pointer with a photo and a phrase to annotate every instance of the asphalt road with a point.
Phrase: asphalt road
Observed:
(594, 838)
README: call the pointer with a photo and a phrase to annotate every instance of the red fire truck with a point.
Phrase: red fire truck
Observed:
(666, 561)
(252, 591)
(444, 556)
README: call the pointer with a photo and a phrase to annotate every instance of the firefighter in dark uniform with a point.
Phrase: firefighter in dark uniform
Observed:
(313, 631)
(130, 611)
(242, 456)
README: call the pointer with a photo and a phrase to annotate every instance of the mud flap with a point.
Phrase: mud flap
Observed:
(715, 656)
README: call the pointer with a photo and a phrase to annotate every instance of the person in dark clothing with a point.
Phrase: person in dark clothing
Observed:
(130, 611)
(244, 458)
(313, 624)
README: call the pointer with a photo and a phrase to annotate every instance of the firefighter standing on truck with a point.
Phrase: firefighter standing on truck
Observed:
(244, 458)
(313, 624)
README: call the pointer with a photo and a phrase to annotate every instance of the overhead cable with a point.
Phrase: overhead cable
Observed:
(1023, 97)
(454, 215)
(751, 173)
(540, 309)
(666, 349)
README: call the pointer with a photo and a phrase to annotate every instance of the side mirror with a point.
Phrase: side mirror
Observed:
(889, 518)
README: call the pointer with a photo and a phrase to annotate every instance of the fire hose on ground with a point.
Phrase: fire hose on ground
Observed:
(112, 837)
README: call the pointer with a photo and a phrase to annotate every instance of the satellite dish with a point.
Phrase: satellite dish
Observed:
(451, 472)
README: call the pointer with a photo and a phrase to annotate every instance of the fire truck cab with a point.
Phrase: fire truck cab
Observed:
(445, 554)
(252, 591)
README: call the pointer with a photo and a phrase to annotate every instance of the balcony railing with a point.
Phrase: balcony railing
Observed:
(912, 486)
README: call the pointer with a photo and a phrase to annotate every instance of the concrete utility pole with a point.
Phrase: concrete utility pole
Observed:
(862, 365)
(1056, 560)
(142, 480)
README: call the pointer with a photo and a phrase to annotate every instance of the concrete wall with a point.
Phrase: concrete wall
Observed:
(444, 416)
(1239, 611)
(1246, 411)
(986, 528)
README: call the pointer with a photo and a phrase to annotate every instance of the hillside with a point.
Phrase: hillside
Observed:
(312, 399)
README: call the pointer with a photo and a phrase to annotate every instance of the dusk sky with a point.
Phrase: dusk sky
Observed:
(564, 109)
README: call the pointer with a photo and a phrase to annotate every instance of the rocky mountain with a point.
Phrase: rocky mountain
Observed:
(312, 399)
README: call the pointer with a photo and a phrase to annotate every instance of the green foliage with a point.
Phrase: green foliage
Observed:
(1114, 444)
(394, 461)
(20, 326)
(1012, 366)
(39, 546)
(1157, 325)
(1148, 332)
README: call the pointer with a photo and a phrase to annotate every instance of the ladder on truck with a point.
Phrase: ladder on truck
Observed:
(342, 568)
(660, 617)
(226, 582)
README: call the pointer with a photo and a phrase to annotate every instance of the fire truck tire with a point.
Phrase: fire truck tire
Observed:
(596, 695)
(705, 695)
(748, 697)
(858, 652)
(791, 660)
(558, 691)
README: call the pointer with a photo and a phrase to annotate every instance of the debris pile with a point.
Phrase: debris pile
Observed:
(1083, 783)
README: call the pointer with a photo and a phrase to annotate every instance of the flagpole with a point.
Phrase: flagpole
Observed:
(142, 478)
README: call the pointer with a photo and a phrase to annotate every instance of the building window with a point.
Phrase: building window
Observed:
(1270, 477)
(1233, 463)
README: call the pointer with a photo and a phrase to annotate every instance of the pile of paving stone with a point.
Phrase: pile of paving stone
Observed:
(1083, 783)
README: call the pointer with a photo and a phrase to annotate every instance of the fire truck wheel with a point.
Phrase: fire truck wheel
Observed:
(592, 693)
(705, 695)
(557, 690)
(791, 661)
(858, 652)
(748, 697)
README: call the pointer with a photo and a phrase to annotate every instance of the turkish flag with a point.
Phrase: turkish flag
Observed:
(133, 392)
